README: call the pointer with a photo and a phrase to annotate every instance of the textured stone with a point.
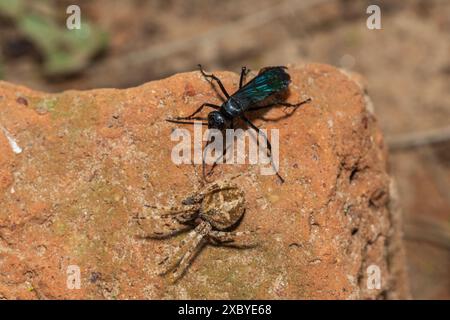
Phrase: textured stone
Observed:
(91, 160)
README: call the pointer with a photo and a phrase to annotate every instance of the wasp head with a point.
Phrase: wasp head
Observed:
(216, 120)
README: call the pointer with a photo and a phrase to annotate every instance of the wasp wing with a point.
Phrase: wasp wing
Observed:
(270, 80)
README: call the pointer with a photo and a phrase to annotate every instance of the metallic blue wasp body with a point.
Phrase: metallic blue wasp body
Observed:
(268, 82)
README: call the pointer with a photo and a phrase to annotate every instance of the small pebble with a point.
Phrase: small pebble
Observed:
(22, 100)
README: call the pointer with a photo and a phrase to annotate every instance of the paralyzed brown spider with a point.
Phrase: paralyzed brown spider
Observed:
(210, 212)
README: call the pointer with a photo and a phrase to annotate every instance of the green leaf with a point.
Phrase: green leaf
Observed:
(64, 51)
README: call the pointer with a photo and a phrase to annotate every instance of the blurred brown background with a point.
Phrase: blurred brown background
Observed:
(406, 65)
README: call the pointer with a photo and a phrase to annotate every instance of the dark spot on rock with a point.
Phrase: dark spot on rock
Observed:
(384, 295)
(379, 198)
(189, 90)
(151, 28)
(354, 231)
(94, 277)
(353, 174)
(22, 100)
(365, 122)
(29, 274)
(295, 166)
(446, 69)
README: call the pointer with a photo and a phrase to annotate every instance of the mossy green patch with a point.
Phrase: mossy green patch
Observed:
(104, 218)
(46, 105)
(80, 112)
(59, 227)
(231, 275)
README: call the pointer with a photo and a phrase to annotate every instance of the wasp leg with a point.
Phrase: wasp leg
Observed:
(204, 175)
(216, 79)
(217, 161)
(286, 104)
(221, 156)
(200, 182)
(211, 105)
(189, 122)
(269, 146)
(244, 73)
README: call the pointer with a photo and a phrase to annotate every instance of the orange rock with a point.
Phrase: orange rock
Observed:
(92, 159)
(5, 163)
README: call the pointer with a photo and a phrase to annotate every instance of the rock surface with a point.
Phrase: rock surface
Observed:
(89, 162)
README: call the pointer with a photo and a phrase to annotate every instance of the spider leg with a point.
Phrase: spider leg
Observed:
(171, 262)
(216, 79)
(238, 239)
(160, 228)
(195, 198)
(163, 222)
(179, 263)
(218, 186)
(188, 258)
(166, 211)
(244, 73)
(214, 106)
(286, 104)
(269, 146)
